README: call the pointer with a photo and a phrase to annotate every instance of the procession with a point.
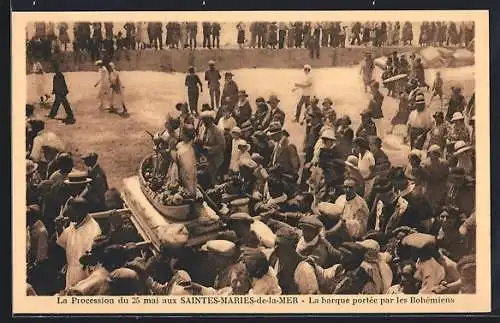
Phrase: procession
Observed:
(272, 188)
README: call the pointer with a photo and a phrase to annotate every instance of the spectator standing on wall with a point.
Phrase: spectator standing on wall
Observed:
(157, 35)
(291, 37)
(193, 31)
(241, 34)
(355, 33)
(282, 28)
(216, 35)
(273, 35)
(63, 34)
(206, 34)
(130, 35)
(253, 34)
(314, 42)
(140, 37)
(96, 42)
(184, 35)
(299, 32)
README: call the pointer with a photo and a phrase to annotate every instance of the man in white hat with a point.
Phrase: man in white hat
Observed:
(459, 131)
(465, 156)
(307, 87)
(419, 123)
(327, 140)
(104, 85)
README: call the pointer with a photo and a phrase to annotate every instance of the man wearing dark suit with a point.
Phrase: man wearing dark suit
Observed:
(285, 161)
(212, 142)
(276, 113)
(60, 90)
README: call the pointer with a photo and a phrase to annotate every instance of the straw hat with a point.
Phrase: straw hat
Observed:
(77, 177)
(220, 247)
(457, 116)
(352, 161)
(461, 147)
(328, 134)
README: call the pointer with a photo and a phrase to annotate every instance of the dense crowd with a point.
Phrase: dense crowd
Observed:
(90, 37)
(338, 220)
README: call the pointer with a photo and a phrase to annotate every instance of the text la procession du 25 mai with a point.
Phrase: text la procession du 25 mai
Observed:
(257, 300)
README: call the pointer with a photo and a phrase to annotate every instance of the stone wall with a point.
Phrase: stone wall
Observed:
(227, 59)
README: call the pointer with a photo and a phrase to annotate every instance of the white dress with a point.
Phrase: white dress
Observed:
(76, 241)
(104, 86)
(39, 79)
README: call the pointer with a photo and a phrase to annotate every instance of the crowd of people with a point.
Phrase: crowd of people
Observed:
(344, 220)
(96, 42)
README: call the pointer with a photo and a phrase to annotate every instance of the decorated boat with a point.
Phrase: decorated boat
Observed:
(184, 208)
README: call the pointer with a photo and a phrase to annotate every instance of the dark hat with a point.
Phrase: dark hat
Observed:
(191, 68)
(361, 142)
(375, 84)
(90, 155)
(242, 93)
(274, 128)
(79, 204)
(77, 177)
(287, 235)
(366, 113)
(260, 100)
(273, 98)
(228, 74)
(314, 100)
(310, 222)
(352, 249)
(220, 247)
(374, 235)
(439, 114)
(382, 185)
(259, 134)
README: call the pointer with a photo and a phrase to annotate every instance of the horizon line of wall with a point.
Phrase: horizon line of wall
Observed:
(226, 59)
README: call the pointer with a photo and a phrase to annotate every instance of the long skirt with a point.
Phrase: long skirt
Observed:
(241, 36)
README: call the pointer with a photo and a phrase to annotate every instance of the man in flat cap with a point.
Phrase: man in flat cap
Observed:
(312, 244)
(212, 76)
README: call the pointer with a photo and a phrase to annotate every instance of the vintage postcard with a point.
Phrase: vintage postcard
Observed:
(251, 162)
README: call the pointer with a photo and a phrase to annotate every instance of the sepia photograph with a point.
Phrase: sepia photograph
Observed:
(188, 156)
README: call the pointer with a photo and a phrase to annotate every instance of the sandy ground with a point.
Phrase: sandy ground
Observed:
(121, 142)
